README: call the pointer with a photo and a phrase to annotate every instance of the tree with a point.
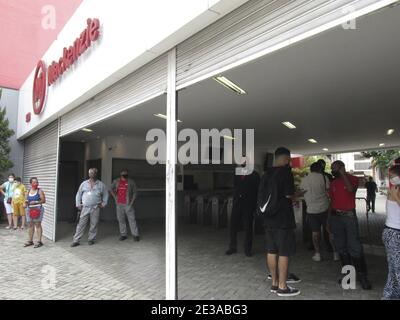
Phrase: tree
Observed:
(5, 134)
(382, 159)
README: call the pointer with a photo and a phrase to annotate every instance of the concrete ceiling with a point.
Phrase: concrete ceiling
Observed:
(341, 88)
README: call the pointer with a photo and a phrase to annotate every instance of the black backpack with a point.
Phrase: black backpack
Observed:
(268, 201)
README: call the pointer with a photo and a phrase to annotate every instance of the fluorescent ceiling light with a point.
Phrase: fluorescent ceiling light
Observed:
(163, 116)
(230, 85)
(382, 145)
(87, 130)
(289, 125)
(312, 140)
(390, 132)
(325, 149)
(229, 137)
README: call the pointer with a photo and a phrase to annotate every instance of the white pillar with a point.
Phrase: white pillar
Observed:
(171, 160)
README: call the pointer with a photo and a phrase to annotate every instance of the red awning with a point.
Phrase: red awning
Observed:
(23, 40)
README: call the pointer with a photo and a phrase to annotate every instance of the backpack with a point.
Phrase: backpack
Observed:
(268, 203)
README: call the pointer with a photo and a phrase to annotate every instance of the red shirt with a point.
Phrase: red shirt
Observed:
(122, 191)
(341, 199)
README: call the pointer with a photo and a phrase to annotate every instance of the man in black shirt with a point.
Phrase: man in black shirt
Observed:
(280, 226)
(372, 189)
(244, 206)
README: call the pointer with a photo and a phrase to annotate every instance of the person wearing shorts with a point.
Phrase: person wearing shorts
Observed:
(35, 199)
(315, 187)
(6, 190)
(18, 203)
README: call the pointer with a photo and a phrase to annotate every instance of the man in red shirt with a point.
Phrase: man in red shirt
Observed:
(343, 221)
(124, 193)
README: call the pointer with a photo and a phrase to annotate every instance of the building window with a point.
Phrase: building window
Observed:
(362, 166)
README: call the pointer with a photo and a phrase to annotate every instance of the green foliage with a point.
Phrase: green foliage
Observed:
(300, 173)
(382, 159)
(5, 134)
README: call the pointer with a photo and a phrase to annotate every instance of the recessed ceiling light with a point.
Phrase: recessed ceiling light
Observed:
(229, 137)
(289, 125)
(382, 145)
(390, 132)
(83, 141)
(325, 149)
(312, 141)
(230, 85)
(87, 130)
(163, 116)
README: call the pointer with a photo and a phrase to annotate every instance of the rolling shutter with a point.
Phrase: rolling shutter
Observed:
(41, 161)
(144, 84)
(259, 27)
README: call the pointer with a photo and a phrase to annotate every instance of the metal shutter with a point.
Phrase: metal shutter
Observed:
(142, 85)
(41, 161)
(257, 28)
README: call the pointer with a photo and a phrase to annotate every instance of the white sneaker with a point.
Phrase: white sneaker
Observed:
(317, 257)
(336, 256)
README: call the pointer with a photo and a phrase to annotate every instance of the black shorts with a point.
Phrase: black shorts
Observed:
(281, 242)
(316, 220)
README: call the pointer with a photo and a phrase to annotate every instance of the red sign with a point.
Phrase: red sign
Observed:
(44, 78)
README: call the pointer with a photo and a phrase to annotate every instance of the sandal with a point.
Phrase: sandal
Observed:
(28, 244)
(38, 245)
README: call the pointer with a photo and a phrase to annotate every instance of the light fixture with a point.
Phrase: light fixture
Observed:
(390, 132)
(230, 85)
(163, 116)
(87, 130)
(325, 149)
(83, 141)
(289, 125)
(229, 138)
(382, 145)
(312, 141)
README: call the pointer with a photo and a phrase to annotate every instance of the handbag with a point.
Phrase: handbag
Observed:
(35, 211)
(9, 200)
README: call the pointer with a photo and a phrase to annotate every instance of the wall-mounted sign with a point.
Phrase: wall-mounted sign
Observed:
(44, 78)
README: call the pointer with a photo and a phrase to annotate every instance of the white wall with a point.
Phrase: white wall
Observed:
(132, 34)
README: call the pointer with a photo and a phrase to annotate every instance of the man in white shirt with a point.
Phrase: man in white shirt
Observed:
(315, 186)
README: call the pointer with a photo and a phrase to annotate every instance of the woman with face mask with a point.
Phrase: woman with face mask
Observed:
(391, 236)
(6, 190)
(35, 199)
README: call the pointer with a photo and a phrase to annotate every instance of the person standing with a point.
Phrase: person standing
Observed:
(35, 199)
(18, 203)
(244, 206)
(6, 190)
(275, 203)
(124, 192)
(372, 189)
(90, 198)
(315, 188)
(343, 221)
(391, 236)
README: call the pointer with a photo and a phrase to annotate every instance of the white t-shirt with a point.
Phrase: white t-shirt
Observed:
(316, 197)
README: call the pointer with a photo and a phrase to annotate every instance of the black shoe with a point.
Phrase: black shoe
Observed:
(274, 289)
(288, 292)
(292, 278)
(90, 243)
(123, 238)
(229, 252)
(75, 244)
(248, 253)
(136, 239)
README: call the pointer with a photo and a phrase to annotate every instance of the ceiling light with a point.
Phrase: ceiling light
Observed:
(312, 140)
(87, 130)
(289, 125)
(325, 149)
(390, 132)
(230, 85)
(163, 116)
(382, 145)
(229, 137)
(83, 141)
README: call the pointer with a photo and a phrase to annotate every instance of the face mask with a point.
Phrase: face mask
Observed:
(395, 181)
(11, 180)
(34, 185)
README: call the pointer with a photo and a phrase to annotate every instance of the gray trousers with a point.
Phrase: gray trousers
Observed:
(92, 214)
(123, 212)
(346, 235)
